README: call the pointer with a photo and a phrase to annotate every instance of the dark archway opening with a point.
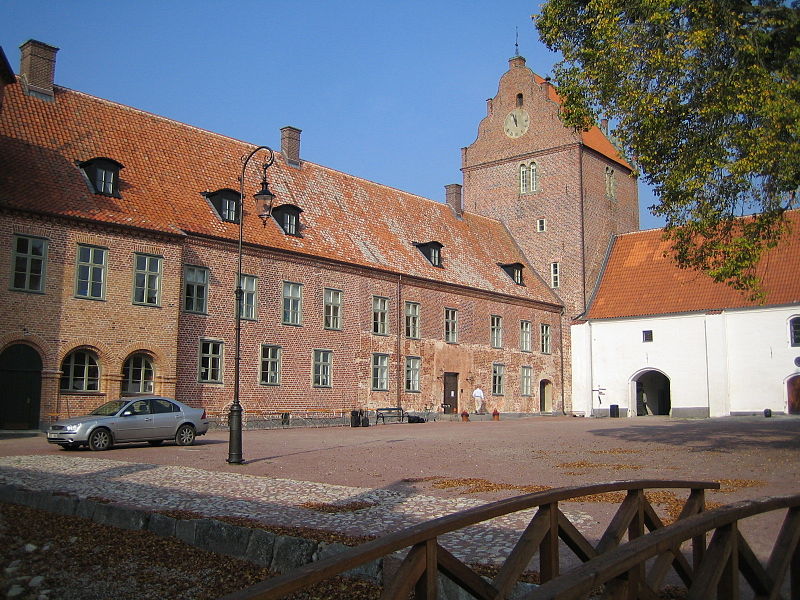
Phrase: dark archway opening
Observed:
(652, 394)
(793, 389)
(21, 382)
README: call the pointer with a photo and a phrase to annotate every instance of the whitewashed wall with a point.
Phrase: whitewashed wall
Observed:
(725, 363)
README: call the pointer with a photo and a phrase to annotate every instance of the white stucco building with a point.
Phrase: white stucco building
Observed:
(660, 340)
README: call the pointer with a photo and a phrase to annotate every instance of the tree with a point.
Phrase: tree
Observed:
(706, 100)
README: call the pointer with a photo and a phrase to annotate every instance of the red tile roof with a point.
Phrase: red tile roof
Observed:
(167, 165)
(639, 280)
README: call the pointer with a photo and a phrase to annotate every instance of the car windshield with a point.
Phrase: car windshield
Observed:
(109, 408)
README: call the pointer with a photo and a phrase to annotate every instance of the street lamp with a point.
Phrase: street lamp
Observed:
(264, 199)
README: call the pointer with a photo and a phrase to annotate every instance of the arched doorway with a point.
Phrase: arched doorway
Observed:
(21, 382)
(793, 392)
(545, 396)
(652, 394)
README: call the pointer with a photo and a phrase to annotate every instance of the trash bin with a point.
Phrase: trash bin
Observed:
(613, 411)
(365, 421)
(767, 412)
(355, 418)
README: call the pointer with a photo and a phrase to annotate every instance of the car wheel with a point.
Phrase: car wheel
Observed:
(185, 435)
(100, 439)
(155, 442)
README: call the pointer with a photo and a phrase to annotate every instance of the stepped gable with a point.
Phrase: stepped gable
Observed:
(167, 165)
(640, 280)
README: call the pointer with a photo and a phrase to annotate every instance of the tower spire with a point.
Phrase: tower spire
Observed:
(516, 41)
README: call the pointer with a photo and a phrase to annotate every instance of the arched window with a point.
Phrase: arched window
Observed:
(523, 179)
(519, 99)
(80, 372)
(137, 375)
(533, 177)
(794, 331)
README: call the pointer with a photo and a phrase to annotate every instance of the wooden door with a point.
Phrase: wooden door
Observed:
(793, 388)
(21, 381)
(450, 399)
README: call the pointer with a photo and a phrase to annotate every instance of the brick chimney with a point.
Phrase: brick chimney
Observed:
(290, 145)
(516, 61)
(452, 195)
(37, 69)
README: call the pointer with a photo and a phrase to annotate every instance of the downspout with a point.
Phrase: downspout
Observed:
(561, 353)
(399, 332)
(583, 240)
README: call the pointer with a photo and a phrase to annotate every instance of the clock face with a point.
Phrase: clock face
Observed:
(516, 123)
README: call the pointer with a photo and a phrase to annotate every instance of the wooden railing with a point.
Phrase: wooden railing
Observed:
(419, 571)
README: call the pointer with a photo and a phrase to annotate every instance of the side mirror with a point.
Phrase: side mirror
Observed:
(127, 413)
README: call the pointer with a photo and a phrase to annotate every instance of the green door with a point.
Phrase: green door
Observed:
(20, 387)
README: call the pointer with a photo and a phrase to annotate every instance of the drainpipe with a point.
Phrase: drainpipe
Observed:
(561, 353)
(399, 333)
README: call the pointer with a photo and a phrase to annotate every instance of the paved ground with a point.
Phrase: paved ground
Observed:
(400, 469)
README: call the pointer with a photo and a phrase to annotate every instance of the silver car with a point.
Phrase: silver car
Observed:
(151, 419)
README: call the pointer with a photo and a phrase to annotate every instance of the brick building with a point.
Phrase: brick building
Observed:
(121, 229)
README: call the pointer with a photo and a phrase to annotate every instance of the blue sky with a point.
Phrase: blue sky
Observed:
(386, 90)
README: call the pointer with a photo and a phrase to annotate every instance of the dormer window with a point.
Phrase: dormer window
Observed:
(514, 270)
(226, 203)
(288, 217)
(103, 175)
(432, 251)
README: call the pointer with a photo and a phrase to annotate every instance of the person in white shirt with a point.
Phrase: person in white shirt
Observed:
(477, 395)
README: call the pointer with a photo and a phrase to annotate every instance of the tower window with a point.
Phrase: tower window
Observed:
(523, 179)
(519, 99)
(555, 275)
(103, 175)
(541, 225)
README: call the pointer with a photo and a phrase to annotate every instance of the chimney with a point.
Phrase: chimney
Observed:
(516, 61)
(546, 86)
(37, 69)
(452, 195)
(290, 145)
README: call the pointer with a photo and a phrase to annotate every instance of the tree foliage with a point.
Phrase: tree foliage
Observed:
(706, 98)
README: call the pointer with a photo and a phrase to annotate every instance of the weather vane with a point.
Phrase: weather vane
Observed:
(516, 41)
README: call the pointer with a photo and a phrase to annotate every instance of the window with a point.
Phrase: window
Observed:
(432, 251)
(555, 275)
(249, 297)
(90, 272)
(323, 360)
(611, 184)
(647, 335)
(161, 406)
(498, 379)
(80, 372)
(545, 338)
(380, 372)
(226, 203)
(333, 309)
(380, 315)
(525, 379)
(270, 365)
(210, 362)
(541, 225)
(288, 217)
(195, 289)
(137, 375)
(147, 279)
(30, 254)
(496, 331)
(533, 177)
(412, 320)
(292, 303)
(525, 335)
(523, 179)
(103, 175)
(794, 331)
(413, 364)
(450, 325)
(514, 270)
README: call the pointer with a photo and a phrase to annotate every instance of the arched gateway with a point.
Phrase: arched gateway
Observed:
(21, 384)
(652, 393)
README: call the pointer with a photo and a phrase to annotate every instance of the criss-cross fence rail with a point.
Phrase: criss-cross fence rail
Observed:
(419, 571)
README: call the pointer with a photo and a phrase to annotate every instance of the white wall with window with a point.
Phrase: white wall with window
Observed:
(734, 362)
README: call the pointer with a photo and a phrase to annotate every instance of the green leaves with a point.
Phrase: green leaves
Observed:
(706, 98)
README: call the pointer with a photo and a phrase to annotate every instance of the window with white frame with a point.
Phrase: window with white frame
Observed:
(210, 363)
(80, 372)
(380, 372)
(545, 338)
(525, 336)
(292, 303)
(413, 366)
(533, 177)
(450, 325)
(380, 315)
(90, 272)
(29, 256)
(498, 379)
(496, 331)
(332, 309)
(525, 380)
(555, 275)
(412, 320)
(270, 365)
(323, 365)
(249, 297)
(523, 179)
(137, 375)
(195, 289)
(541, 225)
(794, 331)
(147, 279)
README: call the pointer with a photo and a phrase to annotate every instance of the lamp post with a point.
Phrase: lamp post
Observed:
(264, 199)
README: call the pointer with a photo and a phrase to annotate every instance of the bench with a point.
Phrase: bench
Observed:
(393, 412)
